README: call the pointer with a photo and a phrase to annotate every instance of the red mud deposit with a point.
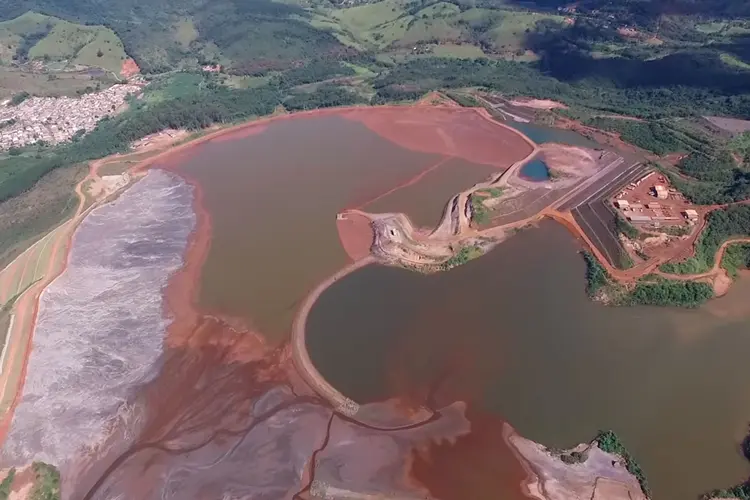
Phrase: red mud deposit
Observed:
(465, 133)
(480, 465)
(355, 234)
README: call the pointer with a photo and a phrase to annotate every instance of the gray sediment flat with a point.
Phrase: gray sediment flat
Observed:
(101, 326)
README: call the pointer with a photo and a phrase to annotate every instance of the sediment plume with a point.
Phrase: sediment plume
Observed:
(479, 465)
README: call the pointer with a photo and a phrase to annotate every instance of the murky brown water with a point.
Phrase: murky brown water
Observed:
(273, 199)
(514, 333)
(426, 200)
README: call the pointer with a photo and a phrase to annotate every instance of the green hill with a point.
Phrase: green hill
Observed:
(37, 37)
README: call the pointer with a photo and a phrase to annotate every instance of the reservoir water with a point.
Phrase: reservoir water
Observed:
(514, 334)
(541, 134)
(535, 170)
(273, 197)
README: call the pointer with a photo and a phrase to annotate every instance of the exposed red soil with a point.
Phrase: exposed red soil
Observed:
(462, 132)
(129, 68)
(356, 235)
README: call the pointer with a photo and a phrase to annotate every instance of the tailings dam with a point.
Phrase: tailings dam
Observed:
(161, 365)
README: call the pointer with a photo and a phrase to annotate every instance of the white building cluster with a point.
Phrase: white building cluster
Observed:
(57, 119)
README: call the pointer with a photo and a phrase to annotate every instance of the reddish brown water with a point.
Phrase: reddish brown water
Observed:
(424, 201)
(274, 196)
(514, 334)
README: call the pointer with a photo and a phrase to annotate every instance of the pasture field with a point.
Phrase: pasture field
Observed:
(37, 37)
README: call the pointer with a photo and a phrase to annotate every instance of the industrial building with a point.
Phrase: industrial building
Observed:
(690, 214)
(661, 192)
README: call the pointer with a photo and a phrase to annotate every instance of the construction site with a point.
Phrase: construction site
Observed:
(652, 203)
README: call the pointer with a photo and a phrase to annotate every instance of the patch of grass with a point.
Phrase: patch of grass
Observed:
(46, 482)
(12, 33)
(8, 481)
(510, 28)
(87, 45)
(13, 81)
(711, 27)
(185, 32)
(174, 86)
(479, 212)
(248, 82)
(27, 217)
(465, 100)
(732, 60)
(463, 51)
(597, 278)
(362, 19)
(462, 257)
(360, 71)
(626, 228)
(104, 50)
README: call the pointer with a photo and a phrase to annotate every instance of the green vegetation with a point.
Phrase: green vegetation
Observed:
(739, 492)
(655, 136)
(626, 228)
(713, 176)
(325, 96)
(16, 80)
(25, 217)
(464, 255)
(651, 291)
(740, 145)
(46, 482)
(736, 257)
(598, 279)
(574, 457)
(479, 212)
(37, 37)
(570, 457)
(669, 293)
(625, 261)
(418, 76)
(465, 100)
(609, 442)
(722, 225)
(6, 484)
